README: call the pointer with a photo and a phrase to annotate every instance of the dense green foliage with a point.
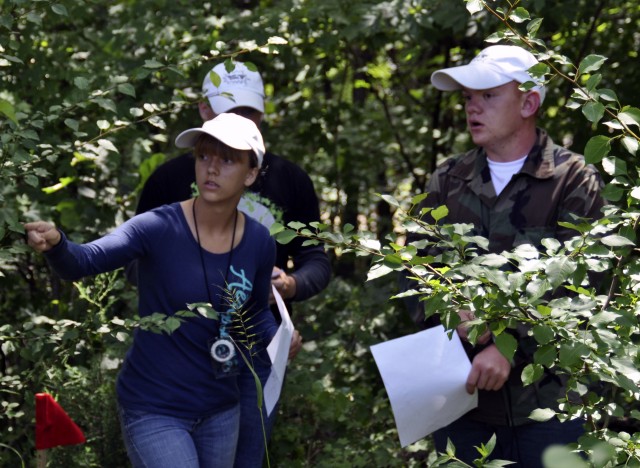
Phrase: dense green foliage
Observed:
(94, 92)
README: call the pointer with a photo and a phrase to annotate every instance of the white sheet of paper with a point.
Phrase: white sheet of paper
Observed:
(424, 375)
(278, 351)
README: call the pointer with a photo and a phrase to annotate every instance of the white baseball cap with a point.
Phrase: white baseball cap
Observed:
(239, 87)
(494, 66)
(231, 129)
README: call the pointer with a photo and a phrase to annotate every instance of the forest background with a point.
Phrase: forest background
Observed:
(93, 94)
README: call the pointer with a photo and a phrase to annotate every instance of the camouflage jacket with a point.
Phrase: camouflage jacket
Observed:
(552, 184)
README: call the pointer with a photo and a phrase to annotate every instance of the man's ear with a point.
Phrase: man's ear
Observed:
(530, 104)
(206, 112)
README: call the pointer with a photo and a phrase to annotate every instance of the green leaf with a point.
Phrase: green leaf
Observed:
(531, 373)
(103, 124)
(127, 88)
(273, 40)
(390, 200)
(157, 121)
(474, 6)
(593, 111)
(630, 116)
(276, 228)
(59, 9)
(64, 181)
(378, 271)
(34, 17)
(204, 309)
(537, 288)
(6, 21)
(559, 269)
(451, 449)
(419, 198)
(31, 180)
(107, 104)
(229, 65)
(591, 63)
(545, 355)
(107, 144)
(613, 192)
(630, 144)
(602, 454)
(152, 64)
(7, 109)
(572, 354)
(615, 166)
(543, 310)
(81, 83)
(284, 237)
(491, 445)
(593, 82)
(543, 334)
(533, 26)
(393, 261)
(506, 344)
(597, 148)
(439, 212)
(615, 240)
(172, 324)
(557, 456)
(542, 414)
(519, 15)
(296, 225)
(30, 134)
(215, 79)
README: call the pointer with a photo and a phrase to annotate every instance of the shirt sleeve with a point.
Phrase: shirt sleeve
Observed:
(311, 265)
(73, 261)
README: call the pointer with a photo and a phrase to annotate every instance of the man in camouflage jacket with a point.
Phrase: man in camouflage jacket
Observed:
(514, 188)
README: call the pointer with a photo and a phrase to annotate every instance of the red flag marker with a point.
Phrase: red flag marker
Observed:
(54, 427)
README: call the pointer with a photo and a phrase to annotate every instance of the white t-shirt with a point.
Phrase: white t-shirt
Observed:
(501, 172)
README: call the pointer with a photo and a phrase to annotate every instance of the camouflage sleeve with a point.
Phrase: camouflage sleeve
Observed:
(582, 198)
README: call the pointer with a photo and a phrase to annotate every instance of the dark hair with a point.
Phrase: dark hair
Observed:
(248, 112)
(206, 144)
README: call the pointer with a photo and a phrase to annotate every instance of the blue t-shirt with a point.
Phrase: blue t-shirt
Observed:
(173, 373)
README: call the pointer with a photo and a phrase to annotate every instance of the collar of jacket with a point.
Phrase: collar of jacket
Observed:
(540, 163)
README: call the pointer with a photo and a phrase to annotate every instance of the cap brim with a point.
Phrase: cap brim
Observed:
(472, 76)
(221, 103)
(187, 139)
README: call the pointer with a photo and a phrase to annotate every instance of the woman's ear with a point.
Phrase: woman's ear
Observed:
(530, 104)
(252, 175)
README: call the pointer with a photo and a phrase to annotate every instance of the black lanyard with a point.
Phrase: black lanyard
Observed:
(204, 269)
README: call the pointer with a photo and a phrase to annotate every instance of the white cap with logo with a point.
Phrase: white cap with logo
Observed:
(494, 66)
(239, 87)
(231, 129)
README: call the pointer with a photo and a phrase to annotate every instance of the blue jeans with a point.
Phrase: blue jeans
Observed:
(159, 441)
(522, 444)
(253, 436)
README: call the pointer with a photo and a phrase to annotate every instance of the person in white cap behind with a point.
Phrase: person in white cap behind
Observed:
(179, 390)
(513, 187)
(283, 192)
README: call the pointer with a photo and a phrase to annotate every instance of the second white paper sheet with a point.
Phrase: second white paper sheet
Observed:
(278, 351)
(425, 375)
